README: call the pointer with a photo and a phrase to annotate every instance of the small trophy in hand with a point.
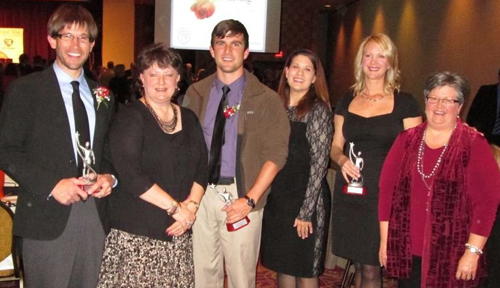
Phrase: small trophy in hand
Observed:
(228, 200)
(88, 158)
(355, 186)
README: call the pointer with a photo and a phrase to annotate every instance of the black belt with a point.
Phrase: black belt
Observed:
(226, 181)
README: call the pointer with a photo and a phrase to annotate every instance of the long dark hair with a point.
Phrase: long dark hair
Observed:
(317, 92)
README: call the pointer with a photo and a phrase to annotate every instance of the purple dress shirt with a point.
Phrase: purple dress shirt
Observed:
(228, 161)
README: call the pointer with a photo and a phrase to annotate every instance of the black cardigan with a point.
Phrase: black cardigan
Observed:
(144, 155)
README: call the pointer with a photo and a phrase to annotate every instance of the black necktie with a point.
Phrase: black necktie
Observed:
(217, 139)
(81, 120)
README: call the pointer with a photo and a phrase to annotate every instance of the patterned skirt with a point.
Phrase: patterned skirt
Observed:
(138, 261)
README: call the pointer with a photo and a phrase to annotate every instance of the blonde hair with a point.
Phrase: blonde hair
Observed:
(496, 153)
(392, 75)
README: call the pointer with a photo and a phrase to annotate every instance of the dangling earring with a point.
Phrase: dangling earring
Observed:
(176, 93)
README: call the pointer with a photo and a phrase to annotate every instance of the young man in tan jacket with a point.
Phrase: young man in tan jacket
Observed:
(255, 147)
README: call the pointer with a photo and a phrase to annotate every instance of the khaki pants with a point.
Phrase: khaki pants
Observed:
(213, 244)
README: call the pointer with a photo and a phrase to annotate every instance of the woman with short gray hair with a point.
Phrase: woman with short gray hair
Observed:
(439, 192)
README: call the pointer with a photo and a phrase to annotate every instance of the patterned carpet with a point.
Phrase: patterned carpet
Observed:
(267, 279)
(331, 278)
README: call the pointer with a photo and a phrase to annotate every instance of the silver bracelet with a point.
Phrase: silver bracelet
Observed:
(473, 249)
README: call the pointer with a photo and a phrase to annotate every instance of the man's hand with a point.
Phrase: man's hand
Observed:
(102, 187)
(237, 211)
(473, 128)
(67, 191)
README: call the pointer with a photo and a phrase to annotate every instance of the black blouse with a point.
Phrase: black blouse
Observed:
(144, 155)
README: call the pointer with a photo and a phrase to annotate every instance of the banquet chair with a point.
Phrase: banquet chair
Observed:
(347, 276)
(8, 253)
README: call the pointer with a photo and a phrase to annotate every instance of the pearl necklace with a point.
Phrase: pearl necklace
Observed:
(420, 160)
(363, 94)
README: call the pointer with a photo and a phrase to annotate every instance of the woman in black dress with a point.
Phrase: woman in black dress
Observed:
(370, 117)
(160, 157)
(297, 210)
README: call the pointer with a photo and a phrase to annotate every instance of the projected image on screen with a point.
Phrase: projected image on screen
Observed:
(203, 8)
(192, 21)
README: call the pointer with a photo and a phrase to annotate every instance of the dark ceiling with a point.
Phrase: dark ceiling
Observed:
(334, 4)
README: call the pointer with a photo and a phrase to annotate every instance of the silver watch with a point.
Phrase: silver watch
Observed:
(115, 181)
(473, 249)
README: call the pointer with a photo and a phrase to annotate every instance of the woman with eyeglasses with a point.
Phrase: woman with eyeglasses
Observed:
(439, 192)
(369, 117)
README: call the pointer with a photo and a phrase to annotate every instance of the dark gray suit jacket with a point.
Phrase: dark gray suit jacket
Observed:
(483, 112)
(36, 150)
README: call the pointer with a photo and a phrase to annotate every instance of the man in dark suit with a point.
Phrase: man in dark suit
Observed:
(484, 113)
(59, 215)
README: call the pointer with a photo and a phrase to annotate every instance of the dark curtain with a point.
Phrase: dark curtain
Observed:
(33, 16)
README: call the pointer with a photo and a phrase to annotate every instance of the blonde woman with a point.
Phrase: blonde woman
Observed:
(370, 116)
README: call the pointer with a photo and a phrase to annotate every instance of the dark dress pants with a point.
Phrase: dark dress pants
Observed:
(74, 258)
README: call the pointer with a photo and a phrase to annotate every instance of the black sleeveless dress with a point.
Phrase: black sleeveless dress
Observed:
(282, 250)
(355, 225)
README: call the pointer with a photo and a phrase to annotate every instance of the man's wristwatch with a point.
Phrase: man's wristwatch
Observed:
(115, 181)
(250, 201)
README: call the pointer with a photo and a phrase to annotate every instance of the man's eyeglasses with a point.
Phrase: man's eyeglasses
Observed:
(69, 37)
(445, 101)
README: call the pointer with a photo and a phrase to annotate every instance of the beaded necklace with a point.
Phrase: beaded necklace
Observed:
(167, 126)
(363, 94)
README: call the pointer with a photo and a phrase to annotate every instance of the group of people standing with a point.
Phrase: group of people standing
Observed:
(432, 188)
(180, 192)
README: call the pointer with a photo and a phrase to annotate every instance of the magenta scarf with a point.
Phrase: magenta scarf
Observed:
(448, 220)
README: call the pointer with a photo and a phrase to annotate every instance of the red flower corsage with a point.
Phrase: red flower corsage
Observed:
(102, 95)
(229, 111)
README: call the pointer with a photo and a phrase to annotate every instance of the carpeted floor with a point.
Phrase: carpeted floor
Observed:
(267, 279)
(331, 278)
